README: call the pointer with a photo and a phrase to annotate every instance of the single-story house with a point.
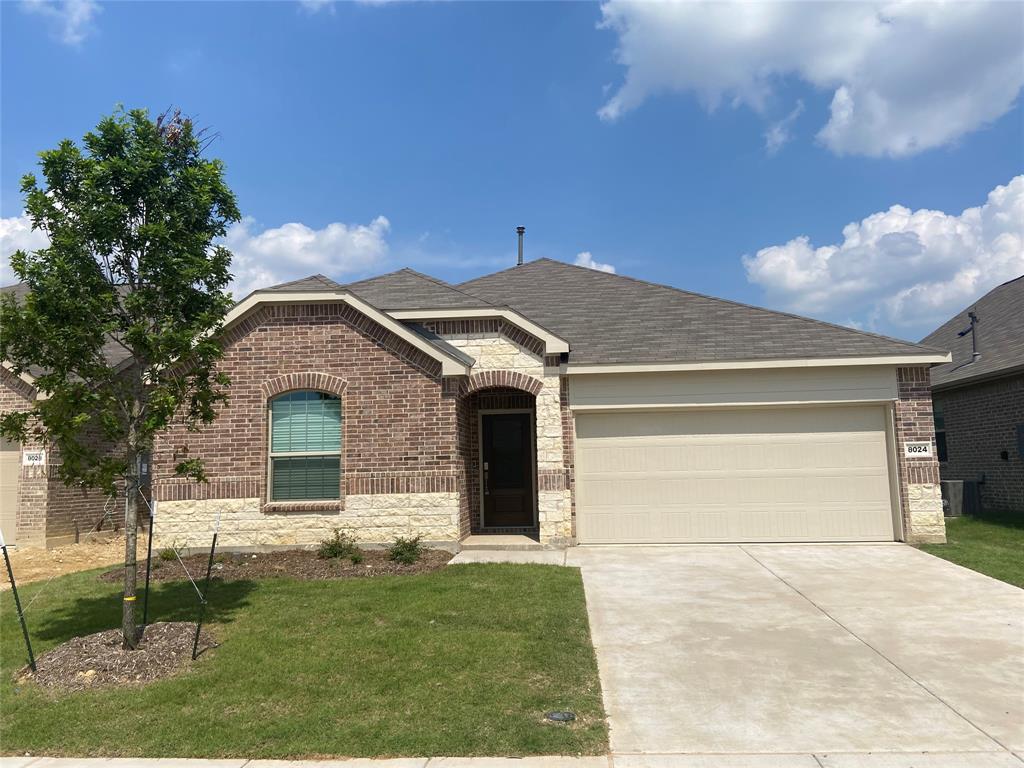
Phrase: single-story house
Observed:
(567, 404)
(979, 397)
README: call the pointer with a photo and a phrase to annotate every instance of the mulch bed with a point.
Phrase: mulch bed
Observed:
(97, 661)
(291, 563)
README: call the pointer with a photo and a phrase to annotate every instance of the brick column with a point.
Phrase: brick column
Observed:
(920, 493)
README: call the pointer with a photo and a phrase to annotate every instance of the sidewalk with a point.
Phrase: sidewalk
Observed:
(845, 760)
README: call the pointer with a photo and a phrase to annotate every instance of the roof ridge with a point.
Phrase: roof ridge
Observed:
(729, 301)
(328, 282)
(444, 284)
(375, 277)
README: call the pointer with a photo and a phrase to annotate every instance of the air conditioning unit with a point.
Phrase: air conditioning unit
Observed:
(961, 497)
(972, 497)
(953, 498)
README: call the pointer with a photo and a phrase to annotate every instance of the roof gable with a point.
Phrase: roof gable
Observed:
(612, 319)
(1000, 337)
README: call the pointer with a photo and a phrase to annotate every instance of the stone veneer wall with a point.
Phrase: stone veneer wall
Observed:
(981, 427)
(496, 346)
(920, 493)
(375, 518)
(401, 467)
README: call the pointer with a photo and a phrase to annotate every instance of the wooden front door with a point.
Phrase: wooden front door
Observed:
(507, 469)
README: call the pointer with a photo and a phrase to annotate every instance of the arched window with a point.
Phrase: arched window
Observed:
(305, 446)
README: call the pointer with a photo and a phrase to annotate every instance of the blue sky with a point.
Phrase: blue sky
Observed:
(660, 141)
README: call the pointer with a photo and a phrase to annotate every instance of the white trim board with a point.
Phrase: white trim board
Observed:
(723, 365)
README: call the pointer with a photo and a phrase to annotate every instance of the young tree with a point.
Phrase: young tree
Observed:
(120, 322)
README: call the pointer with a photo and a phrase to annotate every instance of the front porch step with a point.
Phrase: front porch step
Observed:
(500, 543)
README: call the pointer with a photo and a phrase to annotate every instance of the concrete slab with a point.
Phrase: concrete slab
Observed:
(958, 633)
(355, 762)
(172, 762)
(542, 556)
(16, 762)
(122, 762)
(714, 761)
(544, 761)
(922, 760)
(702, 650)
(500, 541)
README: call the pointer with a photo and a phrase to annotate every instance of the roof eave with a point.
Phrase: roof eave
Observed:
(928, 358)
(981, 378)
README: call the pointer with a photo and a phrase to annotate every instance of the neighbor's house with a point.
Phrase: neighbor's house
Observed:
(979, 397)
(559, 402)
(36, 507)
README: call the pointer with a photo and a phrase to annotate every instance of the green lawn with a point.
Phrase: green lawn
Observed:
(461, 661)
(993, 545)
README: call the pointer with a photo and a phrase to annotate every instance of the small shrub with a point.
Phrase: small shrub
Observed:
(167, 554)
(406, 551)
(340, 544)
(356, 557)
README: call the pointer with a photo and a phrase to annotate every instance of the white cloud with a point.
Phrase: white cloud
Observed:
(16, 234)
(261, 258)
(70, 20)
(586, 259)
(315, 6)
(904, 76)
(900, 269)
(780, 133)
(295, 250)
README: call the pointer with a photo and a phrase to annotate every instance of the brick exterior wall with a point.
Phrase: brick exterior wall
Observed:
(981, 423)
(398, 418)
(920, 494)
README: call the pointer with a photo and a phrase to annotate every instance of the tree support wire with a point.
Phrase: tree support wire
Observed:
(149, 559)
(17, 603)
(206, 590)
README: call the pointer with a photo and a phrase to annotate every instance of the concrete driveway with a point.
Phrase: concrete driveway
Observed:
(803, 650)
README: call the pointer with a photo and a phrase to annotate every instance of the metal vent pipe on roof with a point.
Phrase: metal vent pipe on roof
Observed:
(520, 231)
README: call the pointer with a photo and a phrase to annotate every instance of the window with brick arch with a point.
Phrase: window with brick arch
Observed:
(305, 446)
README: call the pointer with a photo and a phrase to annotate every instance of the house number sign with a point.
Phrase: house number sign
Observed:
(33, 458)
(911, 450)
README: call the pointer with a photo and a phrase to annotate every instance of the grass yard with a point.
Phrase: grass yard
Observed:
(462, 661)
(993, 545)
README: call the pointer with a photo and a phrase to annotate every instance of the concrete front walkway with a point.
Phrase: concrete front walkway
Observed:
(831, 651)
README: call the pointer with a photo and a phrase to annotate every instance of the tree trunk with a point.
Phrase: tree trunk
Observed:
(129, 629)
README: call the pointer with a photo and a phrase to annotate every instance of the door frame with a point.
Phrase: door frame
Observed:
(480, 459)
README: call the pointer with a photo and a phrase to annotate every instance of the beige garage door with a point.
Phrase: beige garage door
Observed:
(765, 474)
(10, 472)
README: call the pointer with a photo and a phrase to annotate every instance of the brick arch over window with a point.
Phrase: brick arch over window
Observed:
(322, 382)
(502, 378)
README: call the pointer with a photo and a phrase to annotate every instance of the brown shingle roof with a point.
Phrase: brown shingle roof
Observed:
(1000, 332)
(610, 318)
(408, 289)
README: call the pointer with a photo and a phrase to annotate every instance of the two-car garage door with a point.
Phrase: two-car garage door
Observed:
(754, 474)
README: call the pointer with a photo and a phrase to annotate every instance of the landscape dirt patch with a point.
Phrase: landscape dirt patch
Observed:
(290, 563)
(36, 564)
(98, 660)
